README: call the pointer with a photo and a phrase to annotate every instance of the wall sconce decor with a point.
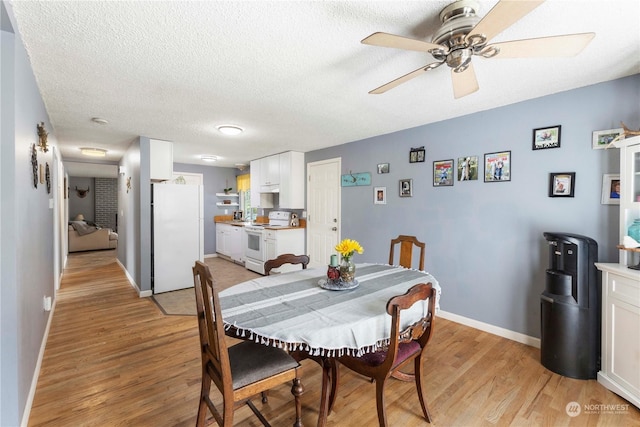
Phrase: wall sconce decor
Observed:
(34, 165)
(82, 193)
(42, 137)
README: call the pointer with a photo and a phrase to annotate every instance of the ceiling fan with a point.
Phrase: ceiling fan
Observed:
(463, 34)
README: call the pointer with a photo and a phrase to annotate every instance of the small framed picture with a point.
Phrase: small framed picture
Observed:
(610, 189)
(406, 187)
(383, 167)
(562, 184)
(602, 138)
(416, 155)
(380, 195)
(548, 137)
(443, 173)
(468, 168)
(497, 166)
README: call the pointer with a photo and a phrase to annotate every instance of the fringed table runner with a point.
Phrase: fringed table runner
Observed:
(293, 312)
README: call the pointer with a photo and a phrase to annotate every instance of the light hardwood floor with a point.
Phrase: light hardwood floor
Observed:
(115, 359)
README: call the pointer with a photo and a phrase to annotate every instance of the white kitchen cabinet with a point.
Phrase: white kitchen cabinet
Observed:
(229, 241)
(285, 241)
(291, 180)
(161, 160)
(620, 370)
(281, 174)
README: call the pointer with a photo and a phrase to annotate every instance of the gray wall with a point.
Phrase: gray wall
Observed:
(27, 236)
(484, 240)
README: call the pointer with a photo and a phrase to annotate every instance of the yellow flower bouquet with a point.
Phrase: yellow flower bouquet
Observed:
(347, 248)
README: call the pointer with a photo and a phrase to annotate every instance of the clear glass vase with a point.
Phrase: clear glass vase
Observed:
(347, 270)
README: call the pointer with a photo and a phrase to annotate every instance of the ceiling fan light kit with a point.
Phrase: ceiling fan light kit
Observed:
(463, 34)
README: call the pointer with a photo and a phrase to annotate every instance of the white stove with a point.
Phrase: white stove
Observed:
(255, 250)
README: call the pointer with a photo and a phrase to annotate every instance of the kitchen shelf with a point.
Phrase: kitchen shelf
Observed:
(227, 204)
(227, 195)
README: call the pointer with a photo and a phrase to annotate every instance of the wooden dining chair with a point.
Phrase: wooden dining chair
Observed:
(406, 251)
(405, 346)
(240, 371)
(285, 259)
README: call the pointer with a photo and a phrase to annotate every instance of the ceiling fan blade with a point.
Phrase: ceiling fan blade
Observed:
(504, 14)
(399, 42)
(567, 45)
(464, 83)
(406, 77)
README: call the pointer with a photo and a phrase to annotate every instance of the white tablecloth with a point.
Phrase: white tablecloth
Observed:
(291, 310)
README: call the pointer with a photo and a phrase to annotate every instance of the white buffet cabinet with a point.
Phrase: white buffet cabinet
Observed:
(620, 370)
(229, 241)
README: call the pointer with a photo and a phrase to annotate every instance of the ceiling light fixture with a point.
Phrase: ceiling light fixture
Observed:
(99, 121)
(208, 158)
(93, 152)
(230, 130)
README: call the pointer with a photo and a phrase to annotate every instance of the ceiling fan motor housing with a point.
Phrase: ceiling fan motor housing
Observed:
(458, 19)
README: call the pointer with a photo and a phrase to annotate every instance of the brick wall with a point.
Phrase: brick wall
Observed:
(106, 202)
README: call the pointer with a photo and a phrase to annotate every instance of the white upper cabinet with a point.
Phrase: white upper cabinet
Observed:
(281, 174)
(161, 160)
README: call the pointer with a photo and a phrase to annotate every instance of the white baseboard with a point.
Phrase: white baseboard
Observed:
(141, 294)
(36, 371)
(495, 330)
(211, 255)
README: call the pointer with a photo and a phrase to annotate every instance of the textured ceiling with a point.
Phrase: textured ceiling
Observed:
(293, 74)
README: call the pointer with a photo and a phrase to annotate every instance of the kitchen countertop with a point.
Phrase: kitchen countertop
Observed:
(266, 226)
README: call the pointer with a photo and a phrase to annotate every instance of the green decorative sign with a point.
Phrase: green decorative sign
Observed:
(353, 179)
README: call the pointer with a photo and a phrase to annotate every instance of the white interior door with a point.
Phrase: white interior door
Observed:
(323, 210)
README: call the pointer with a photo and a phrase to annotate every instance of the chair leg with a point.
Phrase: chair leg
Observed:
(297, 390)
(418, 377)
(382, 414)
(335, 377)
(202, 407)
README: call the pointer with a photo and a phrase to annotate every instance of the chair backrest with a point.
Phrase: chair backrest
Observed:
(285, 259)
(214, 351)
(406, 251)
(420, 330)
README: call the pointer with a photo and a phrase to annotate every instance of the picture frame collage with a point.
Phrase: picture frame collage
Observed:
(497, 167)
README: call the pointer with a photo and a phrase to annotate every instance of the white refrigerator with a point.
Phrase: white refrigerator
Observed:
(177, 235)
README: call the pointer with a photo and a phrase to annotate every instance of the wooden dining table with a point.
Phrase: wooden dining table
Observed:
(295, 312)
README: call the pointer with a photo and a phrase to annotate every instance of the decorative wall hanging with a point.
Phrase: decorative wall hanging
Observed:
(34, 164)
(380, 196)
(406, 187)
(82, 193)
(42, 137)
(128, 184)
(562, 184)
(468, 168)
(497, 166)
(47, 177)
(602, 138)
(41, 174)
(416, 155)
(548, 137)
(356, 179)
(610, 189)
(66, 188)
(383, 167)
(443, 173)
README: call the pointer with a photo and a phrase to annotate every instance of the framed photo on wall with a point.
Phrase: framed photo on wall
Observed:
(383, 167)
(416, 155)
(497, 166)
(380, 195)
(468, 168)
(610, 189)
(443, 173)
(562, 184)
(602, 138)
(406, 187)
(548, 137)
